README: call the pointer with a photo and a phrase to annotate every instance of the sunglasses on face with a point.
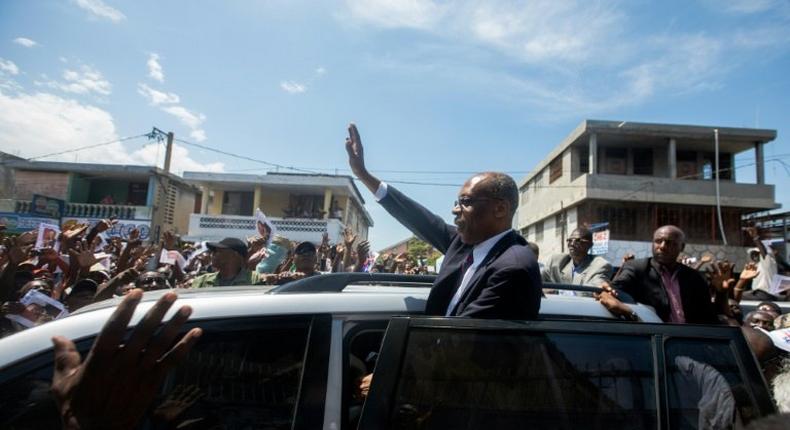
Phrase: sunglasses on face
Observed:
(575, 240)
(467, 202)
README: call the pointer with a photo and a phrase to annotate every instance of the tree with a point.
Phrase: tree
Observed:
(419, 250)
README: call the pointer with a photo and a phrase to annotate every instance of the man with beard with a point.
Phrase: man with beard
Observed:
(488, 270)
(577, 267)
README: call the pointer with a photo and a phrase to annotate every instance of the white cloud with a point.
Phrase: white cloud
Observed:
(293, 87)
(188, 118)
(8, 66)
(193, 120)
(99, 9)
(85, 80)
(155, 69)
(320, 71)
(71, 124)
(421, 14)
(544, 31)
(155, 97)
(24, 41)
(538, 31)
(198, 134)
(180, 161)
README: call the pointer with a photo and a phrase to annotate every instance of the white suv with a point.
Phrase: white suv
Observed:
(292, 357)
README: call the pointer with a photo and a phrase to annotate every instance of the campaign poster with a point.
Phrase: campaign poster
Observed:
(48, 235)
(600, 244)
(121, 229)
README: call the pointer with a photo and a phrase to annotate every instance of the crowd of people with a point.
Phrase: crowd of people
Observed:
(83, 266)
(488, 271)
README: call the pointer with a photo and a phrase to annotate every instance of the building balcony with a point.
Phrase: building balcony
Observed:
(216, 227)
(676, 191)
(85, 210)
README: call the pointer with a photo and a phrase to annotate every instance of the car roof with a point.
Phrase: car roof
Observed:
(251, 301)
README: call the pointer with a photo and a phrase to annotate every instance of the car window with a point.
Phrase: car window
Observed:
(243, 373)
(463, 379)
(705, 385)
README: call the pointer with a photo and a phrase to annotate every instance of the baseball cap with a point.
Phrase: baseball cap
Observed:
(304, 248)
(231, 243)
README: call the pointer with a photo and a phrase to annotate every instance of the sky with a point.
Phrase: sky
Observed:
(438, 89)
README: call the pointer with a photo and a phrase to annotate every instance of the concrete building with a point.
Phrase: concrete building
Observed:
(301, 206)
(638, 176)
(138, 196)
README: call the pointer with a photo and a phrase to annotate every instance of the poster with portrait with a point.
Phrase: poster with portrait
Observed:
(38, 308)
(264, 227)
(48, 236)
(779, 285)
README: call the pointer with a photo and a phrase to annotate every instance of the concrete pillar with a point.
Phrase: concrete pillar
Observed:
(672, 158)
(216, 205)
(347, 209)
(204, 191)
(327, 202)
(151, 194)
(593, 154)
(256, 198)
(760, 162)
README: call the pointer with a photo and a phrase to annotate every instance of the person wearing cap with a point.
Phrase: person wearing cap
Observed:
(305, 258)
(228, 258)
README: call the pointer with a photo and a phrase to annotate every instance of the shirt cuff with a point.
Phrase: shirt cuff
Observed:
(381, 192)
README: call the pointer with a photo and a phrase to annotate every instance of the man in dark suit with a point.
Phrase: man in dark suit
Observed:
(678, 293)
(488, 270)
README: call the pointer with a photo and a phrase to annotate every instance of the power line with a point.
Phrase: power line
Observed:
(244, 157)
(82, 148)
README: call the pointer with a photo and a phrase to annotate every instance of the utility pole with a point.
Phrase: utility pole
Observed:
(161, 185)
(168, 151)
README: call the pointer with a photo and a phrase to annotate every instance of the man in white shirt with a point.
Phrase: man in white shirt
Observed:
(488, 269)
(766, 268)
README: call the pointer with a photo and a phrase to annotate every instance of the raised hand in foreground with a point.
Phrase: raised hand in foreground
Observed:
(95, 393)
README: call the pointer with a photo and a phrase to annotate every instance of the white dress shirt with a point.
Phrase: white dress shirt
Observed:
(479, 253)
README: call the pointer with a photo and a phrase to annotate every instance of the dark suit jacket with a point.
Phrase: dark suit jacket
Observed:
(642, 280)
(506, 284)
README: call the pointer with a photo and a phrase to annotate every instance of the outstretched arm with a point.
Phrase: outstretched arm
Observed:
(422, 222)
(356, 159)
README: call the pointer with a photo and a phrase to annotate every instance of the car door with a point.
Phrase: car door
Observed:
(440, 373)
(246, 372)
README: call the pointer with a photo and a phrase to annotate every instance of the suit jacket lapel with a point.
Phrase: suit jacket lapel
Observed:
(504, 243)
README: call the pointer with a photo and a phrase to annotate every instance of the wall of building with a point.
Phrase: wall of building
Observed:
(51, 184)
(540, 199)
(641, 249)
(79, 189)
(553, 235)
(117, 189)
(274, 201)
(185, 202)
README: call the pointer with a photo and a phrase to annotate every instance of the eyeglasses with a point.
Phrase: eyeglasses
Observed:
(470, 201)
(575, 240)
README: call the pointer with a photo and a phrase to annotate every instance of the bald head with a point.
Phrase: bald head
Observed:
(668, 243)
(497, 185)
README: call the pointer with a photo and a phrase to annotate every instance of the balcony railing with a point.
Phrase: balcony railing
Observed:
(213, 227)
(90, 210)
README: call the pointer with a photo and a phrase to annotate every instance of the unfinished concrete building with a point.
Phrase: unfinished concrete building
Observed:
(639, 176)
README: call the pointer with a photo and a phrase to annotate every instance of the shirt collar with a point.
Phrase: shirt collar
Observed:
(482, 249)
